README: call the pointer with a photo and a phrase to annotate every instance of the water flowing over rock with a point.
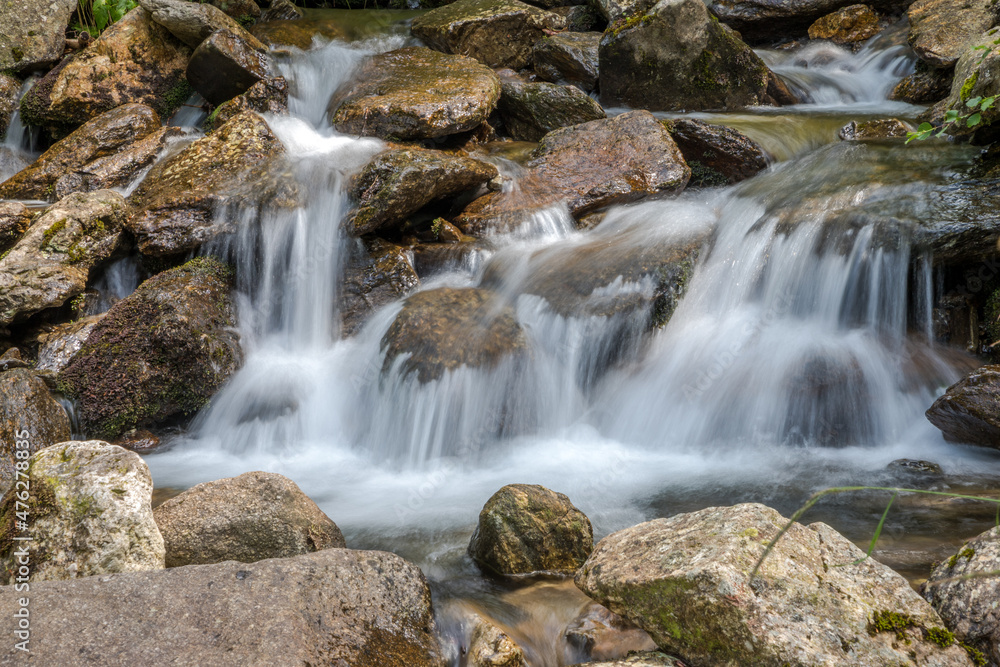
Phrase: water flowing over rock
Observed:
(90, 514)
(529, 111)
(970, 410)
(280, 33)
(53, 260)
(646, 659)
(193, 22)
(15, 218)
(33, 33)
(226, 65)
(569, 57)
(941, 30)
(337, 606)
(57, 347)
(415, 93)
(267, 96)
(602, 634)
(248, 518)
(716, 154)
(526, 528)
(759, 20)
(377, 274)
(883, 128)
(281, 10)
(846, 26)
(490, 646)
(27, 413)
(10, 96)
(160, 352)
(499, 33)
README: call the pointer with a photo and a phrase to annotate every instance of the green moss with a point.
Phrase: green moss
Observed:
(977, 657)
(177, 95)
(53, 229)
(703, 176)
(939, 636)
(967, 553)
(891, 621)
(968, 85)
(624, 24)
(246, 20)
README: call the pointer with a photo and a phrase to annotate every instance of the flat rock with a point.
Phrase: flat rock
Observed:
(846, 26)
(27, 408)
(529, 111)
(377, 273)
(970, 410)
(716, 154)
(33, 33)
(941, 30)
(568, 57)
(193, 22)
(225, 65)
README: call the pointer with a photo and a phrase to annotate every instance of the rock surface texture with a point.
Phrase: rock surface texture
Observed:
(970, 410)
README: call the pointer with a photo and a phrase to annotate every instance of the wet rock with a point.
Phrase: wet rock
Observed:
(12, 359)
(415, 93)
(10, 92)
(925, 86)
(90, 512)
(446, 328)
(27, 413)
(33, 33)
(133, 61)
(248, 518)
(977, 74)
(685, 580)
(499, 33)
(758, 20)
(337, 606)
(282, 10)
(15, 218)
(281, 33)
(105, 136)
(140, 441)
(400, 182)
(53, 261)
(883, 128)
(526, 528)
(163, 351)
(941, 30)
(643, 659)
(193, 22)
(377, 274)
(490, 646)
(716, 154)
(176, 204)
(568, 57)
(245, 12)
(846, 26)
(916, 467)
(431, 259)
(969, 606)
(529, 111)
(604, 635)
(970, 410)
(614, 10)
(267, 96)
(584, 18)
(676, 57)
(58, 346)
(226, 65)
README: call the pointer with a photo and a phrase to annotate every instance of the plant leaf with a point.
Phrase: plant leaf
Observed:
(878, 531)
(974, 120)
(102, 14)
(973, 102)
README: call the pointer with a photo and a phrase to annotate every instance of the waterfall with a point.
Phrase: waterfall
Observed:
(19, 146)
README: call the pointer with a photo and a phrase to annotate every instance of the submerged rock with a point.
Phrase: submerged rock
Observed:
(883, 128)
(603, 635)
(160, 352)
(970, 410)
(193, 22)
(225, 65)
(526, 528)
(716, 154)
(248, 518)
(615, 10)
(942, 30)
(490, 646)
(529, 111)
(15, 218)
(568, 57)
(28, 413)
(267, 96)
(846, 26)
(90, 514)
(280, 33)
(377, 274)
(33, 33)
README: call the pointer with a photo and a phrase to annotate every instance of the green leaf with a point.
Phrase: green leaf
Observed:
(950, 115)
(973, 102)
(974, 120)
(988, 103)
(102, 14)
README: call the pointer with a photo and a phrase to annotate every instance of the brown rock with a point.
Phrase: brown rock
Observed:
(941, 30)
(281, 10)
(846, 26)
(226, 65)
(245, 12)
(267, 96)
(716, 154)
(970, 410)
(490, 646)
(569, 57)
(15, 218)
(604, 635)
(883, 128)
(377, 274)
(529, 111)
(280, 33)
(28, 413)
(140, 441)
(925, 86)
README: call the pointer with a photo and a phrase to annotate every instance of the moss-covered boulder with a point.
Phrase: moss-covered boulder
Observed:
(970, 410)
(226, 65)
(499, 33)
(57, 347)
(248, 518)
(15, 218)
(267, 96)
(526, 528)
(89, 513)
(135, 60)
(881, 128)
(846, 26)
(568, 57)
(716, 154)
(941, 30)
(29, 415)
(415, 93)
(33, 33)
(977, 75)
(10, 93)
(529, 111)
(53, 260)
(377, 273)
(193, 22)
(161, 352)
(815, 601)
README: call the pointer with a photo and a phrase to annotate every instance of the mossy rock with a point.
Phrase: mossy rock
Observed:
(529, 111)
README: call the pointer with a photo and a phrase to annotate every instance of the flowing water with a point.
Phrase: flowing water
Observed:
(18, 147)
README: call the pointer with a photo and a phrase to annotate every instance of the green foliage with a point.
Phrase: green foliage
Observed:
(976, 105)
(939, 636)
(96, 15)
(891, 621)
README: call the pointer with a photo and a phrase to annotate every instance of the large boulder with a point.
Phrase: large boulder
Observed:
(333, 607)
(846, 26)
(529, 111)
(614, 10)
(15, 218)
(758, 20)
(248, 518)
(977, 75)
(135, 60)
(676, 56)
(815, 601)
(193, 22)
(941, 30)
(28, 413)
(53, 260)
(970, 410)
(568, 57)
(33, 33)
(716, 154)
(88, 512)
(499, 33)
(226, 65)
(415, 93)
(377, 273)
(526, 528)
(162, 351)
(10, 95)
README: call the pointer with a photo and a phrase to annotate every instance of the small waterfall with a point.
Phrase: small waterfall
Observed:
(19, 146)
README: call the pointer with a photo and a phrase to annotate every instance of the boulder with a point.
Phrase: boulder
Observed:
(10, 95)
(716, 154)
(925, 86)
(248, 518)
(377, 273)
(226, 65)
(846, 26)
(176, 204)
(815, 600)
(135, 60)
(399, 182)
(446, 328)
(568, 57)
(942, 30)
(677, 57)
(490, 646)
(759, 20)
(58, 346)
(969, 606)
(26, 408)
(193, 22)
(33, 33)
(526, 529)
(109, 134)
(267, 96)
(53, 260)
(281, 10)
(883, 128)
(415, 93)
(499, 33)
(15, 218)
(529, 111)
(970, 410)
(245, 12)
(333, 607)
(615, 10)
(280, 33)
(977, 74)
(89, 514)
(161, 352)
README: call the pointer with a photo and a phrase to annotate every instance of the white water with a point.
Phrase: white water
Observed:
(18, 148)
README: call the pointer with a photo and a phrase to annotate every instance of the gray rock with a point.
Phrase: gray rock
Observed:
(226, 65)
(15, 218)
(568, 57)
(58, 346)
(760, 20)
(281, 10)
(613, 10)
(717, 155)
(193, 22)
(490, 646)
(26, 408)
(377, 273)
(33, 33)
(941, 30)
(529, 111)
(970, 410)
(267, 96)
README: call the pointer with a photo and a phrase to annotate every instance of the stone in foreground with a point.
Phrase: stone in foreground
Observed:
(970, 410)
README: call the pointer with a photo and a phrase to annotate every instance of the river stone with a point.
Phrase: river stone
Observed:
(846, 26)
(447, 328)
(685, 580)
(676, 57)
(176, 204)
(248, 518)
(106, 135)
(33, 33)
(244, 12)
(282, 10)
(10, 93)
(160, 352)
(882, 128)
(716, 154)
(614, 10)
(90, 514)
(279, 34)
(499, 33)
(925, 86)
(193, 22)
(969, 607)
(399, 182)
(27, 406)
(53, 261)
(490, 646)
(15, 218)
(529, 111)
(332, 607)
(226, 65)
(58, 346)
(941, 30)
(267, 96)
(526, 528)
(758, 20)
(568, 57)
(970, 410)
(377, 273)
(415, 93)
